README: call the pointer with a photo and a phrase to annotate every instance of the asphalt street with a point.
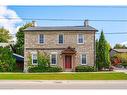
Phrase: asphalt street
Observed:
(63, 84)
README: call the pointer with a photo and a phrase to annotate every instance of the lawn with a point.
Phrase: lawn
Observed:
(63, 76)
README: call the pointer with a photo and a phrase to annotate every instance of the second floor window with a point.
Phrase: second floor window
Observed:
(80, 39)
(41, 38)
(61, 39)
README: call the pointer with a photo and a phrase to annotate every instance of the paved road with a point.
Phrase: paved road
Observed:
(60, 84)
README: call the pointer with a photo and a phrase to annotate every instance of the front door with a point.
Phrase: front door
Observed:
(68, 61)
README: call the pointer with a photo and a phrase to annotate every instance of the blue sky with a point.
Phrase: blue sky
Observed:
(79, 12)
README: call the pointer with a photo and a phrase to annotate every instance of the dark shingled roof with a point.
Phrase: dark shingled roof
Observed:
(55, 28)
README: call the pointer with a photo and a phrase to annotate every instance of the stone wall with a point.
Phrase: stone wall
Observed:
(51, 41)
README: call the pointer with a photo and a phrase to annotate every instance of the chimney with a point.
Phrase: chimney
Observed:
(86, 23)
(34, 23)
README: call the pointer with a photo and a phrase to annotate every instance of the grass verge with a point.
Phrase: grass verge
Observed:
(63, 76)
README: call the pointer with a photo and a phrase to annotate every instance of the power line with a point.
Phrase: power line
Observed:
(114, 33)
(54, 19)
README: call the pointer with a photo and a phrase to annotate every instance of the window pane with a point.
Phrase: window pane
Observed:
(83, 59)
(80, 38)
(60, 38)
(53, 60)
(41, 39)
(34, 58)
(34, 61)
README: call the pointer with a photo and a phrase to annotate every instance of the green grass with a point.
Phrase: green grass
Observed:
(63, 76)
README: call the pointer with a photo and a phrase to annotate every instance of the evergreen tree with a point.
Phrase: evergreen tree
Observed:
(97, 56)
(103, 47)
(19, 47)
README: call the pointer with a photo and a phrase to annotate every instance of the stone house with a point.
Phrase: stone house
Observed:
(68, 46)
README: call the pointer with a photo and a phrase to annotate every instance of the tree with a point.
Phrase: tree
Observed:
(103, 53)
(97, 55)
(19, 47)
(4, 35)
(119, 46)
(7, 61)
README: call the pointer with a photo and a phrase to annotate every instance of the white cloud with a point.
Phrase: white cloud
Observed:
(124, 43)
(9, 24)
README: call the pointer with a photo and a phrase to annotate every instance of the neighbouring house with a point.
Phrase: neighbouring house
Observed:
(115, 51)
(19, 62)
(68, 46)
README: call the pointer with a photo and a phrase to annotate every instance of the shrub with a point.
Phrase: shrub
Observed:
(85, 69)
(54, 69)
(43, 60)
(124, 64)
(45, 69)
(7, 61)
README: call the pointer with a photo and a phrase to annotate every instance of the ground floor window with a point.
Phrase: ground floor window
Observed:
(34, 58)
(83, 59)
(53, 58)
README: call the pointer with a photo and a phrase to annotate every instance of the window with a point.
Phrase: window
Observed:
(83, 59)
(80, 39)
(53, 59)
(61, 38)
(34, 58)
(41, 38)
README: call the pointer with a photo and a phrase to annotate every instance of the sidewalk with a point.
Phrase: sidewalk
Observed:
(63, 84)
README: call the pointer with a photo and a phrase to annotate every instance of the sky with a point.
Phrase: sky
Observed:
(69, 12)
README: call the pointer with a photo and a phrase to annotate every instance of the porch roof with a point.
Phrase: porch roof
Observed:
(69, 50)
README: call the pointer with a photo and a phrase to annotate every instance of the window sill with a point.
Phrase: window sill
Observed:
(41, 43)
(80, 43)
(83, 64)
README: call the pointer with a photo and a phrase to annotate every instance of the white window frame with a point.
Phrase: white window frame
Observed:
(51, 58)
(78, 38)
(81, 58)
(39, 39)
(32, 58)
(58, 39)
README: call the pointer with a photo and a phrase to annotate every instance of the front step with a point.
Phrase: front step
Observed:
(68, 70)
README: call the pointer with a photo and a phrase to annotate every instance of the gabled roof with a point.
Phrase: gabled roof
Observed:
(68, 50)
(120, 50)
(55, 28)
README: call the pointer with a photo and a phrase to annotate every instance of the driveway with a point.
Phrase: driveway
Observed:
(63, 84)
(116, 69)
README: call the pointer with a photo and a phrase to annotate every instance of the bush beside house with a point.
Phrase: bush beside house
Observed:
(7, 61)
(85, 69)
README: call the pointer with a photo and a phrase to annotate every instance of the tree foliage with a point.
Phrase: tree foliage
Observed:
(97, 54)
(7, 61)
(119, 46)
(4, 35)
(121, 56)
(19, 47)
(103, 57)
(43, 60)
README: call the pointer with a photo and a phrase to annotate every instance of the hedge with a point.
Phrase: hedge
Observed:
(44, 69)
(85, 69)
